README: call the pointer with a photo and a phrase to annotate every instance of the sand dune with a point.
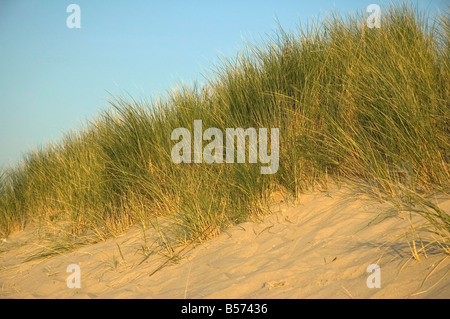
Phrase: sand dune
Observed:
(318, 248)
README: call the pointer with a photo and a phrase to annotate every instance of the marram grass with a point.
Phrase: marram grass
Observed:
(352, 103)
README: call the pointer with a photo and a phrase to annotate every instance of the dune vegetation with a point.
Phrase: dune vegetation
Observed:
(358, 105)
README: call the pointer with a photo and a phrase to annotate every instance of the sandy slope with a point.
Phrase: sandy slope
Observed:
(319, 248)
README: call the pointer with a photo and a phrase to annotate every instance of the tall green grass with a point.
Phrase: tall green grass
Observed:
(352, 103)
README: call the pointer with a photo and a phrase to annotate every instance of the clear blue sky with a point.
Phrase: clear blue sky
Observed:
(53, 77)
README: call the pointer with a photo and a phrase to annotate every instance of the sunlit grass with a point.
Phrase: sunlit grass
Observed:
(352, 103)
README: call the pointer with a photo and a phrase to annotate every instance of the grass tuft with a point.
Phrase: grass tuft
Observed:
(351, 103)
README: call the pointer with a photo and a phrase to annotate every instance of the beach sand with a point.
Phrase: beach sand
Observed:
(318, 248)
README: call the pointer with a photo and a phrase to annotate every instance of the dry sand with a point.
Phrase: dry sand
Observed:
(319, 248)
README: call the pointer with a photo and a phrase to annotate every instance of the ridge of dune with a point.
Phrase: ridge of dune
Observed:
(318, 248)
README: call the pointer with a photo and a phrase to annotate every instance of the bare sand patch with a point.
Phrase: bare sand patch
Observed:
(318, 248)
